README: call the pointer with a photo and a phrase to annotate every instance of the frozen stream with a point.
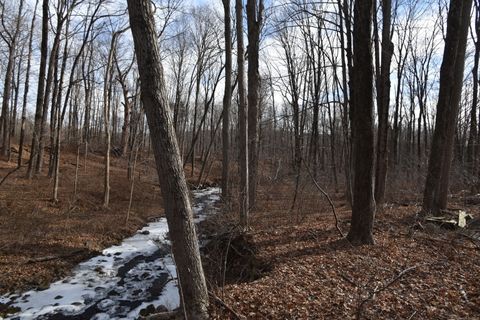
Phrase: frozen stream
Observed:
(125, 279)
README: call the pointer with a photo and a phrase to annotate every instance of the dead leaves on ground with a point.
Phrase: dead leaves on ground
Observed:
(406, 275)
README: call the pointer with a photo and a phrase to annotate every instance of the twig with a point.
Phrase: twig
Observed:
(8, 174)
(227, 307)
(413, 314)
(377, 290)
(163, 315)
(226, 257)
(344, 277)
(326, 195)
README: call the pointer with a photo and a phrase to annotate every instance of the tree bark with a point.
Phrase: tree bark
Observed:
(227, 101)
(451, 76)
(472, 146)
(383, 102)
(40, 92)
(27, 87)
(167, 157)
(254, 23)
(363, 208)
(243, 120)
(9, 77)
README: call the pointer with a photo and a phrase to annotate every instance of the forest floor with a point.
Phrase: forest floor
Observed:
(291, 264)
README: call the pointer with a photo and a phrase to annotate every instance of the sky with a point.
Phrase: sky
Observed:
(271, 53)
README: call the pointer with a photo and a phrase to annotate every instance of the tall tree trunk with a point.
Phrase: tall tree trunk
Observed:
(27, 87)
(254, 23)
(346, 58)
(40, 93)
(451, 76)
(7, 90)
(107, 98)
(167, 157)
(227, 100)
(383, 103)
(243, 120)
(7, 86)
(472, 147)
(363, 209)
(52, 71)
(16, 90)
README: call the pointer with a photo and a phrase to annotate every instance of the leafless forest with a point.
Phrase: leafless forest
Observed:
(325, 153)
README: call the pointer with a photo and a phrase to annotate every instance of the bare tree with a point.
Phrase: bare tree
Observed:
(227, 100)
(10, 38)
(473, 138)
(363, 208)
(383, 102)
(451, 76)
(254, 22)
(243, 118)
(167, 156)
(26, 87)
(34, 150)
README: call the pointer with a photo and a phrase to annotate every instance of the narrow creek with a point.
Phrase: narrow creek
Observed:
(126, 278)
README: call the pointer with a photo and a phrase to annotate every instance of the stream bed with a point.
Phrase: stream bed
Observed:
(126, 278)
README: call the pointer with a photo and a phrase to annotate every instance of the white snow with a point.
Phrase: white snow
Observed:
(96, 282)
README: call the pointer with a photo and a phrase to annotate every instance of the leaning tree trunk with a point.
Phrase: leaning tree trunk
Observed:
(451, 80)
(363, 208)
(167, 157)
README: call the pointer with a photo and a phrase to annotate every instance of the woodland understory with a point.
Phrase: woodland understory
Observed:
(292, 263)
(343, 134)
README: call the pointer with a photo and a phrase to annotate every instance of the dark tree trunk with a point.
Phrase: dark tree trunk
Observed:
(254, 22)
(40, 92)
(7, 86)
(26, 88)
(451, 76)
(363, 209)
(383, 102)
(227, 100)
(167, 157)
(472, 146)
(243, 120)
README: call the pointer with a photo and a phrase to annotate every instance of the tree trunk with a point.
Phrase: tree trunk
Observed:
(472, 147)
(383, 102)
(254, 23)
(7, 86)
(243, 120)
(51, 73)
(227, 101)
(363, 209)
(26, 88)
(167, 157)
(107, 97)
(40, 92)
(451, 76)
(5, 124)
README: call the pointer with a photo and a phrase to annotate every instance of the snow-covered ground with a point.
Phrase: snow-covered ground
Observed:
(125, 279)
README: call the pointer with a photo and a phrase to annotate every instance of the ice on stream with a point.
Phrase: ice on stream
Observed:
(125, 279)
